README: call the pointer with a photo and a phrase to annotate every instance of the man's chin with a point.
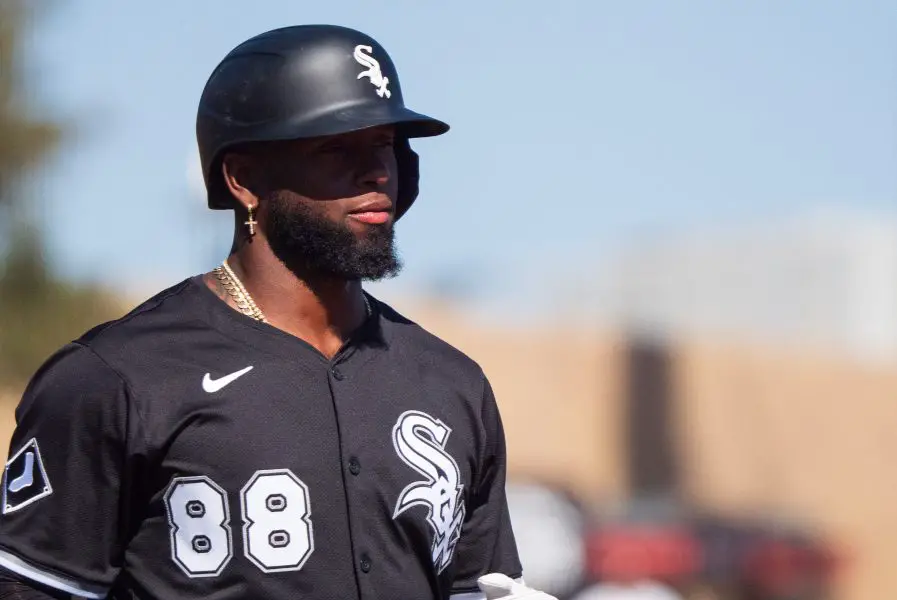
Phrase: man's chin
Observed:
(364, 266)
(390, 273)
(373, 268)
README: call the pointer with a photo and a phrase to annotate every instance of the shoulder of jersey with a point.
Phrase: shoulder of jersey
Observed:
(161, 309)
(421, 342)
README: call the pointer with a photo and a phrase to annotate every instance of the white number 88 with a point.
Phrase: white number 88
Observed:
(277, 530)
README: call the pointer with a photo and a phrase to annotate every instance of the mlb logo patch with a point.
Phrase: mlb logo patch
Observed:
(25, 479)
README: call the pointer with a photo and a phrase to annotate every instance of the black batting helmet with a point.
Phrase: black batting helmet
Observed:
(300, 82)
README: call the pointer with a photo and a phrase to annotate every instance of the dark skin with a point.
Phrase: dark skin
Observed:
(332, 176)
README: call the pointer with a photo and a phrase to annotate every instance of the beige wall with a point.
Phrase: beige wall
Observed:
(813, 437)
(8, 403)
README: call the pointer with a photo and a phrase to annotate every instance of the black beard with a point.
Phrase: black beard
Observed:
(309, 245)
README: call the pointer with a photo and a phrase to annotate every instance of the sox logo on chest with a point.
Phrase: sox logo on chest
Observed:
(420, 441)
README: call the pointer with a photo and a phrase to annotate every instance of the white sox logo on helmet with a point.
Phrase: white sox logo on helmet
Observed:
(420, 441)
(363, 55)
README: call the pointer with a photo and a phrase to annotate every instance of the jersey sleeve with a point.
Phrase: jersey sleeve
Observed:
(487, 543)
(61, 523)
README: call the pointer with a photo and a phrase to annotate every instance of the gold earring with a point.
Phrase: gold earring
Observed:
(251, 223)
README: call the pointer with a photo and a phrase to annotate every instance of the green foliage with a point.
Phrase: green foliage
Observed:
(39, 311)
(24, 140)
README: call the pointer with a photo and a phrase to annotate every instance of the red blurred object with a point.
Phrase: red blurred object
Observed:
(631, 552)
(777, 564)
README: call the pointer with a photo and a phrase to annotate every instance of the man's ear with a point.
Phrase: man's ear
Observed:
(238, 173)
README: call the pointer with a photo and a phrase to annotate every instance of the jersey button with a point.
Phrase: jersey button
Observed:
(354, 466)
(365, 564)
(337, 374)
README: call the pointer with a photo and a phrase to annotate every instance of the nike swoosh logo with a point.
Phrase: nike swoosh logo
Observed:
(213, 385)
(26, 478)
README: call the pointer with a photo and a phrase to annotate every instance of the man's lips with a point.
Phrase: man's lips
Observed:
(372, 217)
(376, 212)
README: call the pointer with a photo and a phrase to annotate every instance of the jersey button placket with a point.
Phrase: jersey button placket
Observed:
(337, 374)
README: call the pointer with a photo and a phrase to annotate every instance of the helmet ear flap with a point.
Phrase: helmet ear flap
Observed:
(409, 175)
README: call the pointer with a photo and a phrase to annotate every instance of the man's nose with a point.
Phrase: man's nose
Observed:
(374, 171)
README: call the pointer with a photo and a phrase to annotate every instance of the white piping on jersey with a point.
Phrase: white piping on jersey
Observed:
(15, 564)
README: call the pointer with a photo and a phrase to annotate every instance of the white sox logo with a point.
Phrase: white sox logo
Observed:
(373, 70)
(420, 441)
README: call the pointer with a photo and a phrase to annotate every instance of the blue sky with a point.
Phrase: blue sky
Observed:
(577, 127)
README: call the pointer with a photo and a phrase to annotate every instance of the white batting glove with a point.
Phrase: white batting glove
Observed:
(497, 586)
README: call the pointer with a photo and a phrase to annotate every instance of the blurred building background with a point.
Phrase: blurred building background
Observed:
(667, 232)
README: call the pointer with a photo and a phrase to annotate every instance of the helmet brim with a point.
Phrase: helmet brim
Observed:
(336, 121)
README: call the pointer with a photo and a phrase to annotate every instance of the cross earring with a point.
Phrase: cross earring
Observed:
(251, 223)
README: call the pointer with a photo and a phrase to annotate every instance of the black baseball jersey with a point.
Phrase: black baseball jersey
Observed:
(188, 451)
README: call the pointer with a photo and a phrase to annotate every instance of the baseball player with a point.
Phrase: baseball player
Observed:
(268, 430)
